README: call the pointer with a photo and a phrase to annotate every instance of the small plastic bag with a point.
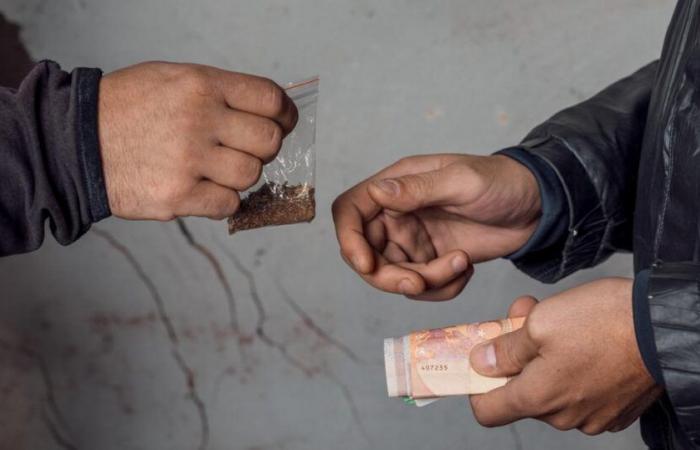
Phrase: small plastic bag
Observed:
(286, 191)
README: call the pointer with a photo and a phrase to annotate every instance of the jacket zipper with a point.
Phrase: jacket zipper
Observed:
(679, 44)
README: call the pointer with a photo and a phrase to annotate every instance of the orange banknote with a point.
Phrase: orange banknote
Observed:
(435, 363)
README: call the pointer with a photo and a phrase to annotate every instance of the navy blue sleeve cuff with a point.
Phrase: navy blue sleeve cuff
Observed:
(87, 87)
(642, 326)
(554, 223)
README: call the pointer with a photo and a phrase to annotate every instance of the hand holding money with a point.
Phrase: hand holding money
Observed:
(429, 364)
(575, 363)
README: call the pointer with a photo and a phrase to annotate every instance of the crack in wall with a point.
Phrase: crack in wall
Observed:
(218, 270)
(169, 327)
(56, 432)
(310, 324)
(313, 326)
(516, 436)
(51, 413)
(352, 406)
(262, 318)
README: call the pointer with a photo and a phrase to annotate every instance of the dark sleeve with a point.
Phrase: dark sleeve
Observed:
(50, 166)
(554, 222)
(673, 300)
(594, 149)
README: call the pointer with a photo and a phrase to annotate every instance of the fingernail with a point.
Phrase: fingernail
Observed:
(390, 187)
(459, 264)
(356, 262)
(405, 286)
(485, 357)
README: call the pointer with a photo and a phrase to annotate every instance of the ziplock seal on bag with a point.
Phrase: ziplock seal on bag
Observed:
(286, 191)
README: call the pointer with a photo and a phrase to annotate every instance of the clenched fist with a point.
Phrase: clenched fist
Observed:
(183, 139)
(575, 363)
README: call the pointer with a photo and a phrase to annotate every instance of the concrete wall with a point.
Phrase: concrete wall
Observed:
(128, 338)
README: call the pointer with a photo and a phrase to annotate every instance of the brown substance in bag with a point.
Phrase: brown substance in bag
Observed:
(274, 204)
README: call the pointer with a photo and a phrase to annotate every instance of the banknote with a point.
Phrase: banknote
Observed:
(430, 364)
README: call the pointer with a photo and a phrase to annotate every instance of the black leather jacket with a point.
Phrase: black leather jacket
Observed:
(629, 162)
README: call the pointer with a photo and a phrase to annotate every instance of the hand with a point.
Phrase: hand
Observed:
(412, 227)
(575, 363)
(182, 139)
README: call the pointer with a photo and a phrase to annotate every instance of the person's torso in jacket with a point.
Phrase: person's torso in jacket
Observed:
(667, 207)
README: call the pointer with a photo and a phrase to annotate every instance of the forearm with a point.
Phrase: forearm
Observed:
(593, 149)
(50, 165)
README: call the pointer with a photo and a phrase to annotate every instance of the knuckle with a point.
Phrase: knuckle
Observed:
(453, 291)
(187, 161)
(224, 207)
(522, 401)
(195, 81)
(592, 429)
(174, 193)
(482, 418)
(416, 187)
(271, 133)
(189, 122)
(562, 423)
(506, 352)
(406, 161)
(272, 98)
(423, 184)
(338, 205)
(164, 215)
(577, 398)
(536, 326)
(252, 171)
(173, 198)
(233, 204)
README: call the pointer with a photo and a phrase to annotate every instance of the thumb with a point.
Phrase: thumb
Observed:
(416, 191)
(522, 306)
(504, 356)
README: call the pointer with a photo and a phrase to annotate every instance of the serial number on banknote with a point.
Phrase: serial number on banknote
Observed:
(434, 367)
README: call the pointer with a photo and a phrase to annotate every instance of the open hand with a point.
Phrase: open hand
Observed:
(575, 363)
(415, 227)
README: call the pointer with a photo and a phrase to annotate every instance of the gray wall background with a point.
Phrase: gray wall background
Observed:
(129, 336)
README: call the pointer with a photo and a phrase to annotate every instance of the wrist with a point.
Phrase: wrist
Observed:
(549, 203)
(522, 189)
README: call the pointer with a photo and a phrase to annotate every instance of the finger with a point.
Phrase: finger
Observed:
(394, 254)
(499, 407)
(410, 234)
(258, 96)
(522, 306)
(394, 279)
(209, 199)
(375, 233)
(441, 271)
(623, 424)
(258, 136)
(230, 168)
(350, 212)
(355, 207)
(416, 191)
(447, 292)
(505, 355)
